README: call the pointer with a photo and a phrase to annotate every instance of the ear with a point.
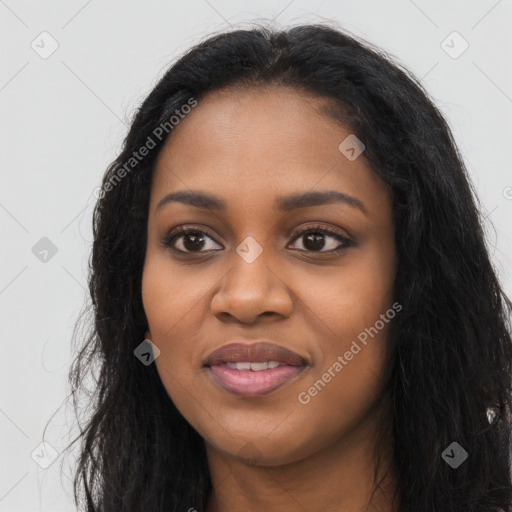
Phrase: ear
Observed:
(147, 335)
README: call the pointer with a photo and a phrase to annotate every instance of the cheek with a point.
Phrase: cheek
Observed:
(338, 401)
(175, 306)
(351, 298)
(354, 313)
(352, 353)
(170, 294)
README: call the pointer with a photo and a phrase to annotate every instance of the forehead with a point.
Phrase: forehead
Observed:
(254, 144)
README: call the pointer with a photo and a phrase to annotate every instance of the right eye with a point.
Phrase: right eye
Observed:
(190, 239)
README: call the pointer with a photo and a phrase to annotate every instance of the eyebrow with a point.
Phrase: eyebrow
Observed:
(283, 203)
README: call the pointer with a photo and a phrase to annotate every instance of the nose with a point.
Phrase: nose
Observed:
(251, 290)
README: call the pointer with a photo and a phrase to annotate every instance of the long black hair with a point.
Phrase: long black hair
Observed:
(451, 348)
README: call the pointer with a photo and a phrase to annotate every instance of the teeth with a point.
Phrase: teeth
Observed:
(255, 367)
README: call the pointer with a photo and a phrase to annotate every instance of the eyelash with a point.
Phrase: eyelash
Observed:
(180, 231)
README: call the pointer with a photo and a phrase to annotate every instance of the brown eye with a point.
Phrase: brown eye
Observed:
(317, 239)
(188, 240)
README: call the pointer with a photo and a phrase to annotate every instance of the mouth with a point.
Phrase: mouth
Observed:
(253, 369)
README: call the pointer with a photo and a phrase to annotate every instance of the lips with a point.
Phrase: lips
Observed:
(255, 369)
(255, 352)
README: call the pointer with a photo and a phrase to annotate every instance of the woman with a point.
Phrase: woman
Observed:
(291, 228)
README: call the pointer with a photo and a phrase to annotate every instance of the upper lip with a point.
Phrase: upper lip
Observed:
(255, 352)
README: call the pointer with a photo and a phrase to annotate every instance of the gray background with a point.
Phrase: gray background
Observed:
(63, 119)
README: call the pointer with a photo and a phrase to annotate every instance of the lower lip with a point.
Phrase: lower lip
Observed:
(249, 383)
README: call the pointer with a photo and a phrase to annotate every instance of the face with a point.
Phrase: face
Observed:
(314, 277)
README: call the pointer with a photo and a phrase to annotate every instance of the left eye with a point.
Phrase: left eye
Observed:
(315, 237)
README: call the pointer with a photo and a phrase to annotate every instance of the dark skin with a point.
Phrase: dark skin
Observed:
(273, 452)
